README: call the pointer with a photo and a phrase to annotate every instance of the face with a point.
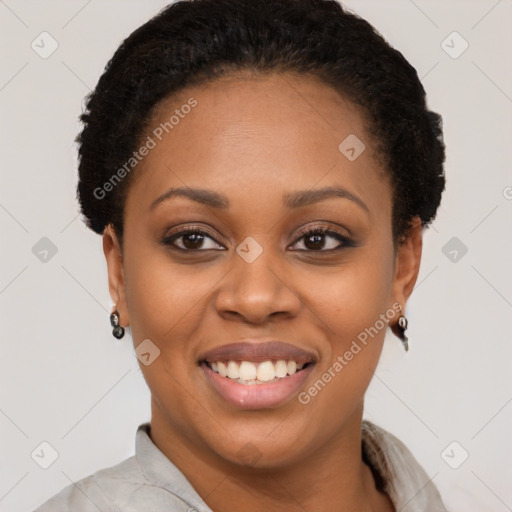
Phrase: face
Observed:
(275, 264)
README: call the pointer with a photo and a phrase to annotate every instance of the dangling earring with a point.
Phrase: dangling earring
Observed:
(117, 330)
(399, 330)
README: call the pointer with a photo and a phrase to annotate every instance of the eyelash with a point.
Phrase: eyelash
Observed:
(320, 230)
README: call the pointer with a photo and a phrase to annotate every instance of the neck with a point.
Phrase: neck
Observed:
(334, 477)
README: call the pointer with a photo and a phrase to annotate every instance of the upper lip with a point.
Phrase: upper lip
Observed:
(258, 351)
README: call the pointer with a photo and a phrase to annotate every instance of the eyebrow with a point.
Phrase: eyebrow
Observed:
(200, 195)
(293, 200)
(306, 197)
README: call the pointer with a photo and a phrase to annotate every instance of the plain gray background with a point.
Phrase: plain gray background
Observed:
(67, 382)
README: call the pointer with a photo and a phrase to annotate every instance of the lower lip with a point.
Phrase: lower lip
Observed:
(256, 396)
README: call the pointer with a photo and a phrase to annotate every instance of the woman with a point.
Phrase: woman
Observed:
(261, 173)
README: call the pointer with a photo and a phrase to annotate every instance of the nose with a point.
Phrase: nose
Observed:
(254, 292)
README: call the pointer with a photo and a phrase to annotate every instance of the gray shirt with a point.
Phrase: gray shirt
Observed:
(149, 481)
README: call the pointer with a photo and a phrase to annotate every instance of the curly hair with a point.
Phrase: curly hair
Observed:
(193, 41)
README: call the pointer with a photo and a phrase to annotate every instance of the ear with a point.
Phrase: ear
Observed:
(407, 263)
(115, 267)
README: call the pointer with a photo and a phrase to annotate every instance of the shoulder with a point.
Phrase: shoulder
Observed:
(129, 486)
(97, 491)
(401, 476)
(122, 487)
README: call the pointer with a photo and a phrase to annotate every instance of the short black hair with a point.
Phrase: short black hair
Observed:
(192, 41)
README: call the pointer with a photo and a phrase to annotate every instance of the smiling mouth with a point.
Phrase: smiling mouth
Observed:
(253, 372)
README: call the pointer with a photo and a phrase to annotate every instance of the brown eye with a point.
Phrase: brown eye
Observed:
(318, 240)
(191, 240)
(314, 241)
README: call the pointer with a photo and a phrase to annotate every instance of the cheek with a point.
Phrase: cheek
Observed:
(353, 305)
(166, 305)
(166, 301)
(351, 298)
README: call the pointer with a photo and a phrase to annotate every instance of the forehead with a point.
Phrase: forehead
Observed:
(252, 135)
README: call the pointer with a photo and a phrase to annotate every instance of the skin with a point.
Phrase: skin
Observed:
(253, 139)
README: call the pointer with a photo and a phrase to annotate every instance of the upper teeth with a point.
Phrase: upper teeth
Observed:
(248, 371)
